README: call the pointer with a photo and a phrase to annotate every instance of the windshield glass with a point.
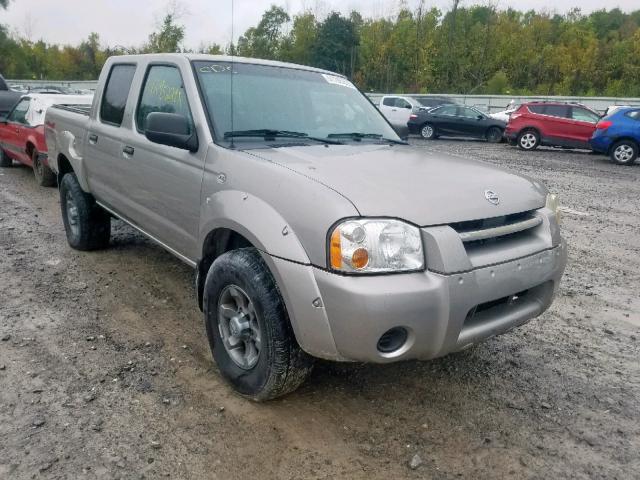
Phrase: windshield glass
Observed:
(285, 100)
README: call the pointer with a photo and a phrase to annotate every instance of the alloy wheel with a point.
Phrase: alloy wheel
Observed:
(623, 153)
(239, 327)
(72, 215)
(528, 141)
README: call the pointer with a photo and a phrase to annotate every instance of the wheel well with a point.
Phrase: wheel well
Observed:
(530, 129)
(218, 242)
(30, 148)
(630, 139)
(64, 167)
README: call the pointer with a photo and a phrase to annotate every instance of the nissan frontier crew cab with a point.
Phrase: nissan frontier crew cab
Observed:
(314, 231)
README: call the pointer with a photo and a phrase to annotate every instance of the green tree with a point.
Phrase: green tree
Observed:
(168, 39)
(335, 46)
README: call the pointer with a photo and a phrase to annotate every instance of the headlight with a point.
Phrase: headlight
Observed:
(553, 204)
(375, 246)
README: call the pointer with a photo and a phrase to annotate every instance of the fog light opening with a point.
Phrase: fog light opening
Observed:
(392, 340)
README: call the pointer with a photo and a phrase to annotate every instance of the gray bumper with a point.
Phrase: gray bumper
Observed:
(442, 313)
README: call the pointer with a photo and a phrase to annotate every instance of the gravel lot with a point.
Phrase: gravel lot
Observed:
(105, 371)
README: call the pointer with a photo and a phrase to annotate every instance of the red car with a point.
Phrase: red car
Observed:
(22, 133)
(554, 124)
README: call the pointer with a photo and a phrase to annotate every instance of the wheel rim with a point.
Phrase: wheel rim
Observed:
(39, 167)
(528, 140)
(494, 134)
(72, 214)
(427, 131)
(239, 327)
(623, 153)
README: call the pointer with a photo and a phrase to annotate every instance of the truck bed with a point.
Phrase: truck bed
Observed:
(80, 109)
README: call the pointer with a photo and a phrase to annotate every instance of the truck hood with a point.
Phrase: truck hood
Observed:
(422, 187)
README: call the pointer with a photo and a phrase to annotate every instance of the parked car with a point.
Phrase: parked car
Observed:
(457, 121)
(397, 109)
(8, 97)
(505, 114)
(313, 230)
(554, 124)
(22, 133)
(618, 135)
(614, 108)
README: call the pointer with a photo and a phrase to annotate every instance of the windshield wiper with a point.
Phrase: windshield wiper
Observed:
(268, 134)
(359, 136)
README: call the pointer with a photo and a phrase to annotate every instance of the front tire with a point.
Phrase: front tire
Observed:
(5, 161)
(87, 225)
(624, 152)
(428, 132)
(494, 135)
(248, 328)
(44, 175)
(528, 140)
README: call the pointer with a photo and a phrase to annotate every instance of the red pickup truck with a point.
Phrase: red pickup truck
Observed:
(22, 133)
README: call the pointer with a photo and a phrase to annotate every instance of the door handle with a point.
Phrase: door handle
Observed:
(128, 150)
(93, 138)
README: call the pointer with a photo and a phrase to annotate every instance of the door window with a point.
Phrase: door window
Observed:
(19, 113)
(402, 103)
(449, 110)
(467, 112)
(561, 111)
(389, 102)
(116, 93)
(163, 91)
(536, 108)
(584, 115)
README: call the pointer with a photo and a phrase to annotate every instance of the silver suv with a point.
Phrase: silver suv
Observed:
(313, 229)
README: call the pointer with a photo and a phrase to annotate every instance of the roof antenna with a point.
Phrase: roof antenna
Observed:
(232, 54)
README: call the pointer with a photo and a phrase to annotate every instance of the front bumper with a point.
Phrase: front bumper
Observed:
(441, 313)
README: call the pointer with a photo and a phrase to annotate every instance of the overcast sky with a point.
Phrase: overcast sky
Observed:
(129, 22)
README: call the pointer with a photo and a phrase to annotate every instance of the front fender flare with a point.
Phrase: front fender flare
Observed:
(255, 220)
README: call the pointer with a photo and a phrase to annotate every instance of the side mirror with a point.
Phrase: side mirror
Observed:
(171, 129)
(408, 107)
(480, 117)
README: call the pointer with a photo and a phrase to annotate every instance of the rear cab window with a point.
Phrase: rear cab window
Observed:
(116, 93)
(389, 102)
(162, 91)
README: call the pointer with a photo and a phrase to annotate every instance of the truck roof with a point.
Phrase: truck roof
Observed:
(222, 58)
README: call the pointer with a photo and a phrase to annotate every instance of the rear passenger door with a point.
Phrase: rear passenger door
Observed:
(558, 126)
(106, 169)
(166, 182)
(445, 119)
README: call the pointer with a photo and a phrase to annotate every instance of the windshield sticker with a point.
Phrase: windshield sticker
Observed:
(214, 68)
(343, 82)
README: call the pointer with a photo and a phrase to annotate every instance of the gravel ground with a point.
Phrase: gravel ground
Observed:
(105, 371)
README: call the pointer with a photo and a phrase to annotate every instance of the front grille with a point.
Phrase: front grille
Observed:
(478, 232)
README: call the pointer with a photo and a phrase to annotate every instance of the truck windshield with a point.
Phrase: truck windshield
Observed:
(280, 99)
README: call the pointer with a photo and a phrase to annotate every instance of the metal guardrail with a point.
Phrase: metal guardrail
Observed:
(495, 103)
(74, 84)
(487, 103)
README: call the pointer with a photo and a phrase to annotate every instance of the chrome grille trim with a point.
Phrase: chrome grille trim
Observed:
(502, 230)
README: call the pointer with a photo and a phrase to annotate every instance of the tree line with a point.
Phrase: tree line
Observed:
(472, 49)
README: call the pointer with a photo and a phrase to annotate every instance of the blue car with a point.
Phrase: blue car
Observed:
(618, 135)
